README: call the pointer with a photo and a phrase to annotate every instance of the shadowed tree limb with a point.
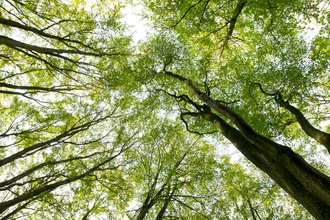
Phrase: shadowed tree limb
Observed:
(184, 15)
(306, 184)
(41, 32)
(153, 197)
(85, 217)
(233, 20)
(39, 166)
(252, 210)
(285, 170)
(18, 209)
(47, 188)
(318, 135)
(17, 44)
(42, 145)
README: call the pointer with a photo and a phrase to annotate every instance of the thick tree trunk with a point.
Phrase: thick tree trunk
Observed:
(303, 182)
(288, 169)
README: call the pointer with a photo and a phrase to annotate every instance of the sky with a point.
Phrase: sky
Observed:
(134, 19)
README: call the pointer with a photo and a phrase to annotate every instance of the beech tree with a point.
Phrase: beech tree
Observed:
(217, 59)
(94, 125)
(57, 131)
(168, 180)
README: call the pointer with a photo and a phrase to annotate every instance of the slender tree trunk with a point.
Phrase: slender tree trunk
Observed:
(252, 210)
(42, 145)
(148, 203)
(166, 202)
(32, 194)
(9, 42)
(320, 136)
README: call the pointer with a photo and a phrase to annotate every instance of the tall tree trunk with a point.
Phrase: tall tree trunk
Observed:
(303, 182)
(300, 180)
(166, 202)
(145, 208)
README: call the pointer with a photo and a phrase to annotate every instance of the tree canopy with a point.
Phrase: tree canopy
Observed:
(221, 112)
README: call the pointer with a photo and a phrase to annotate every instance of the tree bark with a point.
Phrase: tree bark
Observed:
(145, 208)
(45, 50)
(39, 32)
(303, 182)
(166, 202)
(288, 170)
(320, 136)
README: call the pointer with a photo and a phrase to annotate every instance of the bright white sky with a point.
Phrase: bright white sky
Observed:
(132, 18)
(131, 13)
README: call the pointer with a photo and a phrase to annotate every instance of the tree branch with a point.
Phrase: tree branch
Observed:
(17, 44)
(172, 26)
(318, 135)
(50, 187)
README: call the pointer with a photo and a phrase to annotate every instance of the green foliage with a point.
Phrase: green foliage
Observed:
(75, 95)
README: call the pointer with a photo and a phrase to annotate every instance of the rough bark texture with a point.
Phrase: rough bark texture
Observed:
(289, 170)
(303, 182)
